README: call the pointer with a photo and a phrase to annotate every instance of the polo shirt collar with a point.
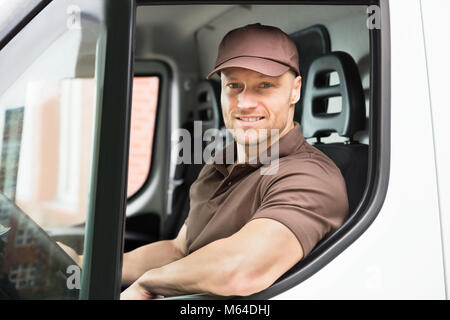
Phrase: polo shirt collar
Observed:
(290, 143)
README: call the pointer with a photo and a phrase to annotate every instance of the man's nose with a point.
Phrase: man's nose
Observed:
(246, 99)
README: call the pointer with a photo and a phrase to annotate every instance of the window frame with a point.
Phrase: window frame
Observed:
(104, 241)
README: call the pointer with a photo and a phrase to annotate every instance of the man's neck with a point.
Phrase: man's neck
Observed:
(247, 153)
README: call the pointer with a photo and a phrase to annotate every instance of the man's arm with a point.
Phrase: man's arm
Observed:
(244, 263)
(153, 255)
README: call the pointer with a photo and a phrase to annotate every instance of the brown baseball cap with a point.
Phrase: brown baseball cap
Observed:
(261, 48)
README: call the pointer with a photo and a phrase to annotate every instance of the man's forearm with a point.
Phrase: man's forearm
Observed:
(142, 259)
(209, 270)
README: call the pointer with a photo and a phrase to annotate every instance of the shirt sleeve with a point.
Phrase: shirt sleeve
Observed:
(311, 202)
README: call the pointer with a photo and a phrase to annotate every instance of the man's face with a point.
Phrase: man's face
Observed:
(252, 101)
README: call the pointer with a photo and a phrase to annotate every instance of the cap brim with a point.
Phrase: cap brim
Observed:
(265, 66)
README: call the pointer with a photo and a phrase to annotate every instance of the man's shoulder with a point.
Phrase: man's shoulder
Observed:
(309, 161)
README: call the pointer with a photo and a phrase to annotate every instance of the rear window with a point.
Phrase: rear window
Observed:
(143, 112)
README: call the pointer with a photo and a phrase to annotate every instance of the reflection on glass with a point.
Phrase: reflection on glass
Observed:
(48, 105)
(32, 266)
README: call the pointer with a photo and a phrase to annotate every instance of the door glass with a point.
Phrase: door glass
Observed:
(48, 106)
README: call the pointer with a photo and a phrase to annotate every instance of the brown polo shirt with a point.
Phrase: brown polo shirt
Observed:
(306, 193)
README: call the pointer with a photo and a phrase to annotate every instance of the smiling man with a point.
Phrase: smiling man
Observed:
(245, 229)
(258, 109)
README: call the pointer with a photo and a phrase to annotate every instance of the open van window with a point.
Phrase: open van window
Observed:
(340, 110)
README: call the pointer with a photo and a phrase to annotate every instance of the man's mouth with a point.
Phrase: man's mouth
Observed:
(250, 119)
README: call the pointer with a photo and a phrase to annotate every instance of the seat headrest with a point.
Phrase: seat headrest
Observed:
(207, 104)
(315, 121)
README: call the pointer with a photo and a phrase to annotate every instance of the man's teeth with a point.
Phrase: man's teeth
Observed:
(250, 119)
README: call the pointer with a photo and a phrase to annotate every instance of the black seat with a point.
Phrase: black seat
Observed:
(351, 156)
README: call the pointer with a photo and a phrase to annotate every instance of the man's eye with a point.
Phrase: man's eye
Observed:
(266, 85)
(233, 85)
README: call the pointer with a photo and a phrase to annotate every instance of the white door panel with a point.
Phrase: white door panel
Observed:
(437, 40)
(400, 255)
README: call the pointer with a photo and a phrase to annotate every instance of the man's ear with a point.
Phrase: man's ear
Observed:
(296, 90)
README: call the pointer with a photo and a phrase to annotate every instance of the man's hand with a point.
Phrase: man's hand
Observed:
(135, 292)
(72, 253)
(138, 292)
